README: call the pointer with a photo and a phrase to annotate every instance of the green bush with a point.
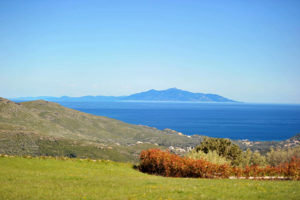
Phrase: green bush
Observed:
(250, 158)
(278, 156)
(258, 159)
(224, 148)
(211, 156)
(246, 158)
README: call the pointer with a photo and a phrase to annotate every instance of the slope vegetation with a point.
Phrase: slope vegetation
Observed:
(47, 128)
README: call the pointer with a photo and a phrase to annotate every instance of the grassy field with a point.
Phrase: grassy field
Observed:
(24, 178)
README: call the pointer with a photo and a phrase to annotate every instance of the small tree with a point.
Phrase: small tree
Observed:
(211, 156)
(246, 158)
(257, 159)
(279, 155)
(224, 148)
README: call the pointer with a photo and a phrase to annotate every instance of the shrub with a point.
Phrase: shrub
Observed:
(278, 156)
(224, 147)
(246, 158)
(71, 155)
(211, 156)
(257, 159)
(155, 161)
(249, 158)
(289, 169)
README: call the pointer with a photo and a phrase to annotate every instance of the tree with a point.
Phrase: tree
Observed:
(223, 147)
(257, 159)
(278, 156)
(211, 156)
(246, 158)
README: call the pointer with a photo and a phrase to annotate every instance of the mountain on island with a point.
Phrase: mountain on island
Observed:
(172, 94)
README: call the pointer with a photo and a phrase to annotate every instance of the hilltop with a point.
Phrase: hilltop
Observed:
(46, 128)
(172, 94)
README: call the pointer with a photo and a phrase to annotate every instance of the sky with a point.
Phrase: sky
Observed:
(244, 50)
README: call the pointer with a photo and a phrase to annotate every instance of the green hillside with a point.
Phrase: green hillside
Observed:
(23, 178)
(47, 128)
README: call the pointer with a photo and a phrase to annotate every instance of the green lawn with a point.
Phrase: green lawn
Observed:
(23, 178)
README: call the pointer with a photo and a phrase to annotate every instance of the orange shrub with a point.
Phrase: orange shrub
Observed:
(291, 169)
(155, 161)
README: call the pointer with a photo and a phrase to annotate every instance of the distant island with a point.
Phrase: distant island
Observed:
(172, 94)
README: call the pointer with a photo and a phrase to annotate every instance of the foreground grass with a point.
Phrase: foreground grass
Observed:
(23, 178)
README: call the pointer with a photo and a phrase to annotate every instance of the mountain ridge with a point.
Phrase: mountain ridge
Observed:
(171, 94)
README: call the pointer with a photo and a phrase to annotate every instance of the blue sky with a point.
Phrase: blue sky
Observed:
(244, 50)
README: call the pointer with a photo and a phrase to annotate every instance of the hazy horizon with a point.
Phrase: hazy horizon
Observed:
(237, 101)
(247, 51)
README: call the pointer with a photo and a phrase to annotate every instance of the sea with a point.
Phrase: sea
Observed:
(256, 122)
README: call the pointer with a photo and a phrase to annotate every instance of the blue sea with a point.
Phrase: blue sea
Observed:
(226, 120)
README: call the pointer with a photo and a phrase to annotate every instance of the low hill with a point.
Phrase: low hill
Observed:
(172, 94)
(37, 178)
(47, 128)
